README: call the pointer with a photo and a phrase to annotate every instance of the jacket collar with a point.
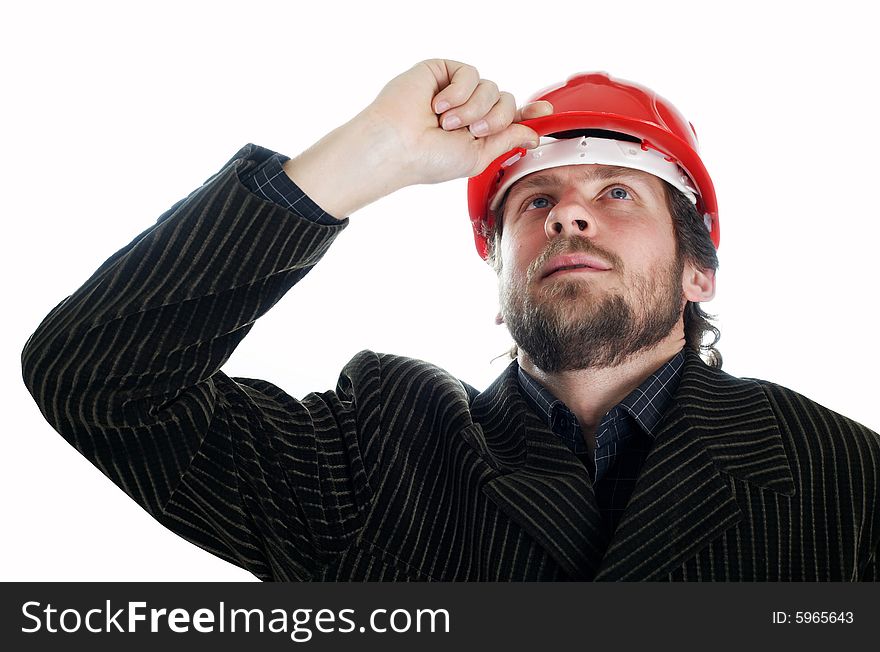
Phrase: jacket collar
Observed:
(718, 428)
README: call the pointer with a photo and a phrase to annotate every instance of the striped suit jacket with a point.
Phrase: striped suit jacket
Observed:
(404, 472)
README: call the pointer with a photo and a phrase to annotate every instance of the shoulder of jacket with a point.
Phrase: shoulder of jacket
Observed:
(413, 386)
(403, 372)
(385, 363)
(793, 407)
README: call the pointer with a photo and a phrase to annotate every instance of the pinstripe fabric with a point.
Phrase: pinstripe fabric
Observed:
(403, 472)
(624, 435)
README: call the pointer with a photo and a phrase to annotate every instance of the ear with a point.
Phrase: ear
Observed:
(698, 285)
(499, 319)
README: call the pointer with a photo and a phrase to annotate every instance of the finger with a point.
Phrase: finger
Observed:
(491, 147)
(456, 80)
(497, 119)
(481, 101)
(533, 110)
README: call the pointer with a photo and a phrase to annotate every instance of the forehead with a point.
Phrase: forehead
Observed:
(582, 175)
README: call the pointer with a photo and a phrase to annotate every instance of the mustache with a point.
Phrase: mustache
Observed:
(571, 245)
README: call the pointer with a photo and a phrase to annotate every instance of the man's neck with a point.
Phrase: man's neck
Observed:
(591, 393)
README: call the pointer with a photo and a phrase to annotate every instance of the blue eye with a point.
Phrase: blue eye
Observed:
(531, 204)
(620, 193)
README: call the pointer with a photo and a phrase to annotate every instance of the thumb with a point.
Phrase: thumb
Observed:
(515, 135)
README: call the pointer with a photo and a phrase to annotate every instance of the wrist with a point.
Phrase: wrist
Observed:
(351, 167)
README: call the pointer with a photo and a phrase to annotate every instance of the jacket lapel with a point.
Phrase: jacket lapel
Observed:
(540, 484)
(719, 428)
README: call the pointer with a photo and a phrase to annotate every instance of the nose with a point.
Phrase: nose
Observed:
(569, 219)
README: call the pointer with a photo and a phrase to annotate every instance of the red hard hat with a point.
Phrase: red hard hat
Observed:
(597, 101)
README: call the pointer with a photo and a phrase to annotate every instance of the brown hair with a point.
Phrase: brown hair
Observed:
(693, 245)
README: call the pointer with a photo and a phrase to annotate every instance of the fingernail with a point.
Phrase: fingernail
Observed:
(442, 105)
(529, 144)
(480, 128)
(451, 122)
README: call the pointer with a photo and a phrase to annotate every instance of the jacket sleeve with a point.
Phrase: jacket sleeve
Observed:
(871, 572)
(127, 370)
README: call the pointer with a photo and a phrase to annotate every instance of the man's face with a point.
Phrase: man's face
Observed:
(590, 273)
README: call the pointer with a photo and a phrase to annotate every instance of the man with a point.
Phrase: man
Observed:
(608, 450)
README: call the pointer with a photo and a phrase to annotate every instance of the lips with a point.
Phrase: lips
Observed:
(573, 261)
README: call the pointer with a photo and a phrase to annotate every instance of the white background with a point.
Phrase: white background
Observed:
(111, 113)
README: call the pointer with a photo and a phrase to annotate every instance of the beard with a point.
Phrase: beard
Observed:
(571, 323)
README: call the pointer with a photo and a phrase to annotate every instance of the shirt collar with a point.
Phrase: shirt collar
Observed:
(646, 404)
